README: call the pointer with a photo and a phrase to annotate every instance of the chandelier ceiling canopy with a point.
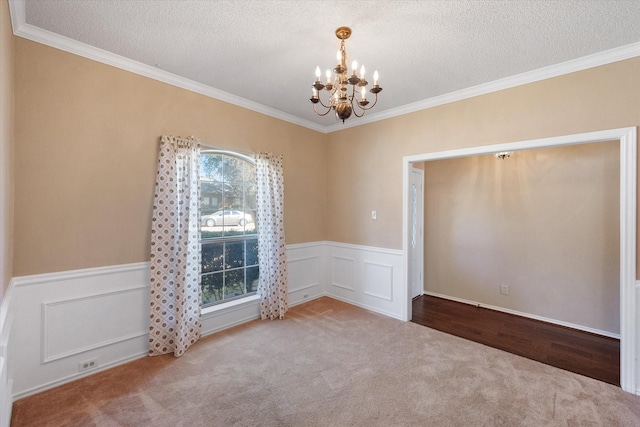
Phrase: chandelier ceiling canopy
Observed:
(343, 89)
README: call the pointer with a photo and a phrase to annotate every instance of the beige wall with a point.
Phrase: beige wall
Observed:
(85, 159)
(544, 222)
(6, 137)
(365, 162)
(86, 137)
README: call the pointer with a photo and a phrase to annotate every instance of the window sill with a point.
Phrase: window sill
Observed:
(228, 305)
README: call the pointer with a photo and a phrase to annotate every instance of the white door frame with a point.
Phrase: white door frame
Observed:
(627, 138)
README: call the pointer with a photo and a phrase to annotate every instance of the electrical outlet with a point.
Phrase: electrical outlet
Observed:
(374, 214)
(504, 289)
(87, 365)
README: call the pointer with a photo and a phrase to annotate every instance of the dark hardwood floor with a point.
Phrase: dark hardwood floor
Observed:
(581, 352)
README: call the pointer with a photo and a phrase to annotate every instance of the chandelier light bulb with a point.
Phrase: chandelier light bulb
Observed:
(354, 66)
(375, 78)
(363, 93)
(328, 74)
(318, 73)
(362, 72)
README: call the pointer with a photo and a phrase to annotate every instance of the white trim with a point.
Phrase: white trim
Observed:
(420, 239)
(366, 307)
(38, 279)
(6, 376)
(365, 248)
(67, 379)
(527, 315)
(4, 308)
(30, 32)
(305, 287)
(628, 294)
(228, 306)
(306, 258)
(251, 303)
(293, 246)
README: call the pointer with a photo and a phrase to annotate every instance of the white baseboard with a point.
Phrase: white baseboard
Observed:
(73, 377)
(366, 307)
(527, 315)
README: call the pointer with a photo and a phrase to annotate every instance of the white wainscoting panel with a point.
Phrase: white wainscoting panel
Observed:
(306, 269)
(367, 277)
(378, 281)
(63, 319)
(50, 323)
(343, 273)
(64, 335)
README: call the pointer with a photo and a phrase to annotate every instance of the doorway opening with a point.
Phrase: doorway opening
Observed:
(627, 138)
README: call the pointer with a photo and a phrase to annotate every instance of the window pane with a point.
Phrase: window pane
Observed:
(252, 279)
(234, 283)
(212, 257)
(234, 255)
(211, 285)
(252, 252)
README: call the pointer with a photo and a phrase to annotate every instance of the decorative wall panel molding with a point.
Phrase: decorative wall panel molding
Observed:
(342, 272)
(367, 277)
(77, 325)
(64, 318)
(378, 280)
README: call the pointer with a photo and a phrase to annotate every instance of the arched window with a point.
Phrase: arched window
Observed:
(228, 228)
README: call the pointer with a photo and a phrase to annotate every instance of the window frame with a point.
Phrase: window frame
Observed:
(224, 240)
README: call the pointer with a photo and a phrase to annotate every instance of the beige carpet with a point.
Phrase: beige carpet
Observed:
(332, 364)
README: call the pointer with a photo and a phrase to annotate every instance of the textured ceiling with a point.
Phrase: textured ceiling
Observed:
(267, 51)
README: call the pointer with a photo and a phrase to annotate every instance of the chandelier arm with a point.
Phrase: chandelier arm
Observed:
(323, 104)
(321, 114)
(355, 110)
(369, 107)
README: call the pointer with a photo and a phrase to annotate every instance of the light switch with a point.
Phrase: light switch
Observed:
(374, 214)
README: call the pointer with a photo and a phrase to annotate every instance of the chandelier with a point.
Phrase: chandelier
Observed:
(340, 100)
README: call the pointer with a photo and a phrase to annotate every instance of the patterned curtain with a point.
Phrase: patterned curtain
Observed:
(175, 248)
(272, 284)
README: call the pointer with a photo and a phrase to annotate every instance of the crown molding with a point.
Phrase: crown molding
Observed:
(30, 32)
(595, 60)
